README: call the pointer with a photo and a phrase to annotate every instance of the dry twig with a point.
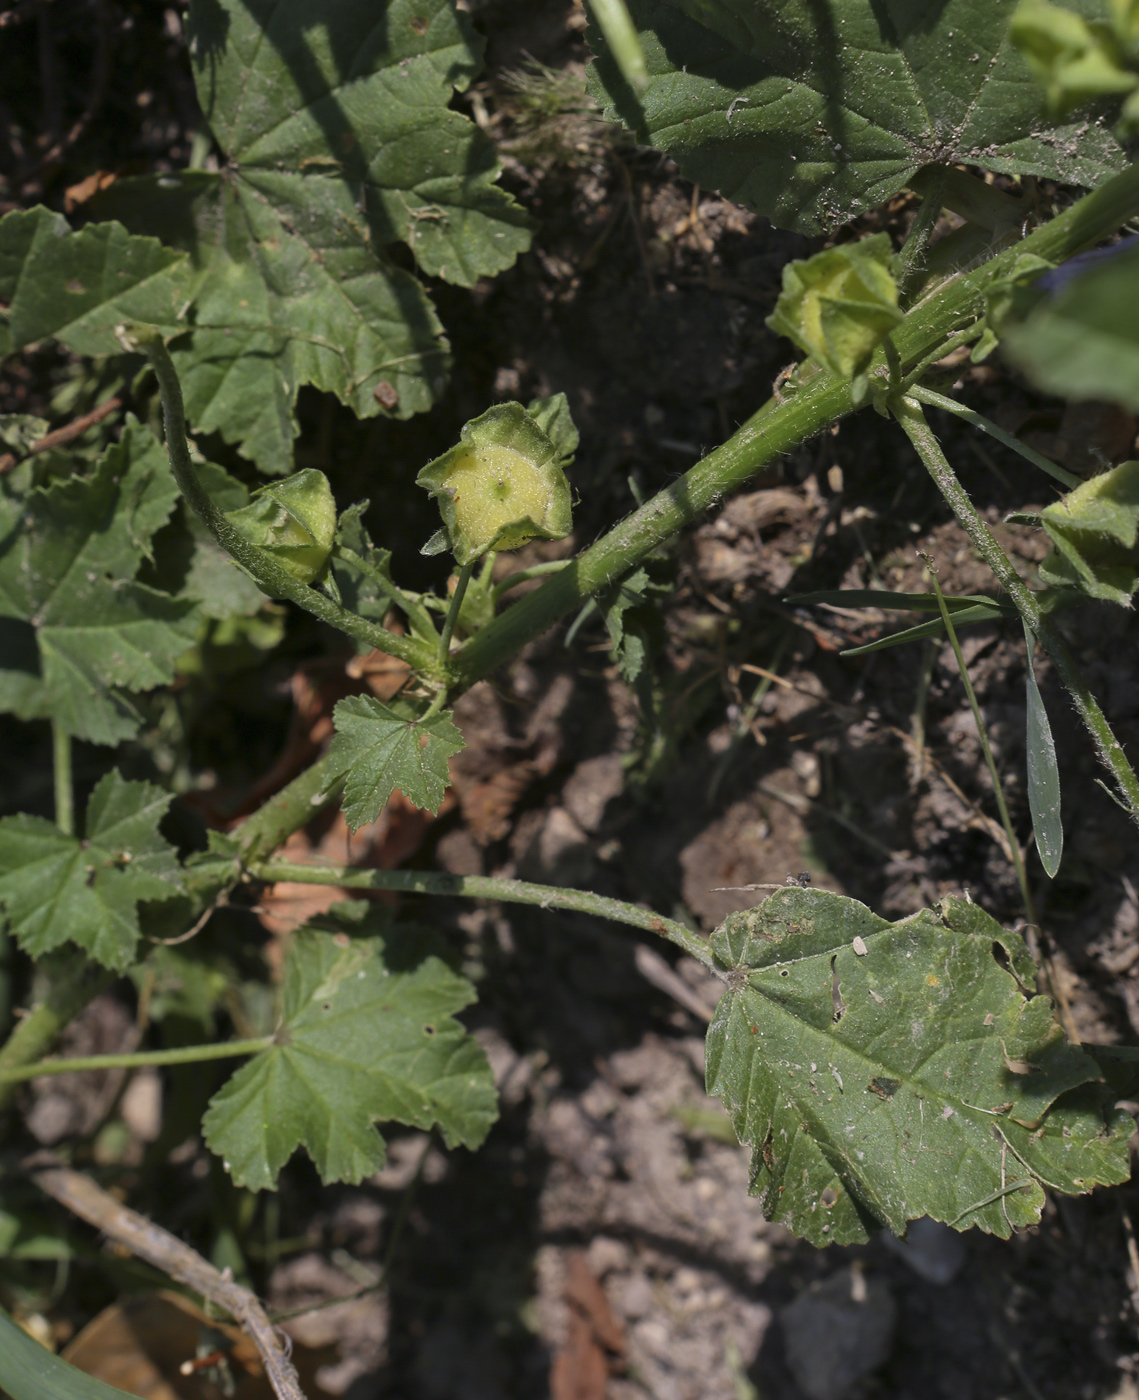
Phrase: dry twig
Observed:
(68, 433)
(164, 1251)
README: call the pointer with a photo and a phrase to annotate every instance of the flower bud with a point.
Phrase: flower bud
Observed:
(840, 305)
(501, 486)
(1095, 533)
(293, 520)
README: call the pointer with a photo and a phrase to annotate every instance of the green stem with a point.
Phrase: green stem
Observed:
(78, 982)
(991, 763)
(623, 40)
(420, 619)
(287, 811)
(141, 1059)
(909, 414)
(61, 769)
(67, 995)
(552, 566)
(986, 425)
(489, 887)
(267, 573)
(465, 572)
(911, 259)
(777, 428)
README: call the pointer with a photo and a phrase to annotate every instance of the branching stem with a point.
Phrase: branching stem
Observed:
(909, 414)
(986, 425)
(276, 581)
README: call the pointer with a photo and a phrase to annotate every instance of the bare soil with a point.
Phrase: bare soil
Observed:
(603, 1242)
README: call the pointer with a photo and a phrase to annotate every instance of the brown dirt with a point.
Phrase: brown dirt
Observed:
(605, 1230)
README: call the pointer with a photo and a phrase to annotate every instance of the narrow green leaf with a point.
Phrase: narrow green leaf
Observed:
(358, 1043)
(881, 1072)
(812, 111)
(58, 889)
(29, 1371)
(902, 602)
(378, 750)
(1043, 770)
(934, 628)
(79, 286)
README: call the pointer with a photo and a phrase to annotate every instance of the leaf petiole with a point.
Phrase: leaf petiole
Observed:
(465, 572)
(266, 571)
(909, 414)
(61, 772)
(140, 1059)
(490, 887)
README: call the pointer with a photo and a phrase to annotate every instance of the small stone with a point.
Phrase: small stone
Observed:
(934, 1251)
(838, 1332)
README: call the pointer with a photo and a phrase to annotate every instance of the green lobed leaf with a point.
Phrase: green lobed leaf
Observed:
(377, 750)
(340, 141)
(58, 889)
(358, 1043)
(632, 621)
(28, 1371)
(1095, 535)
(1081, 338)
(79, 286)
(1043, 769)
(881, 1072)
(76, 630)
(811, 111)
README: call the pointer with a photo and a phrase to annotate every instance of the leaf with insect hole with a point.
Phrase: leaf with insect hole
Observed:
(913, 1076)
(358, 1043)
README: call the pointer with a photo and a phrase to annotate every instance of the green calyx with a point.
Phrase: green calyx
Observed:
(1095, 533)
(293, 520)
(840, 305)
(1080, 61)
(502, 484)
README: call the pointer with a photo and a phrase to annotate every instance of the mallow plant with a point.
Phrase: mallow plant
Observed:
(878, 1072)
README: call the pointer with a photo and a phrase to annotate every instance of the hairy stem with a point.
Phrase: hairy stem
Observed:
(68, 993)
(986, 749)
(779, 427)
(986, 425)
(912, 255)
(139, 1059)
(77, 981)
(61, 772)
(910, 415)
(262, 567)
(456, 606)
(488, 887)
